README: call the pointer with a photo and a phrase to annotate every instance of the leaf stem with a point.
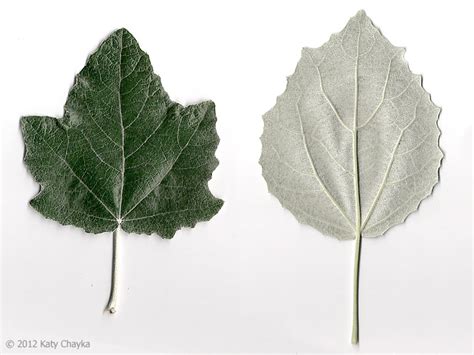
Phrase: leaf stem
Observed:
(112, 304)
(355, 305)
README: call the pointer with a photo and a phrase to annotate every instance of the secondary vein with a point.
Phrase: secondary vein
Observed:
(74, 174)
(310, 159)
(389, 168)
(166, 174)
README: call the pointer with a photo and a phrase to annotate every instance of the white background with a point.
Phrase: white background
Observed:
(252, 279)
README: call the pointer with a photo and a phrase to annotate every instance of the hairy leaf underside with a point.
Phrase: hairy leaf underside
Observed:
(353, 116)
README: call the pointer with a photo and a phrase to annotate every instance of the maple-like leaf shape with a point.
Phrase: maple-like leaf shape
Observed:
(124, 153)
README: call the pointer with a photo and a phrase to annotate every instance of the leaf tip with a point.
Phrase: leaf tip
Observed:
(361, 14)
(124, 34)
(122, 31)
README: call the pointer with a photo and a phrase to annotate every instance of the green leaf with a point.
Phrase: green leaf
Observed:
(351, 147)
(124, 153)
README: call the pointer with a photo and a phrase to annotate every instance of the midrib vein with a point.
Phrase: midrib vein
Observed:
(122, 131)
(355, 158)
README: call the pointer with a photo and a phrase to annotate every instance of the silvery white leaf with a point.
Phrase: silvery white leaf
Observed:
(354, 124)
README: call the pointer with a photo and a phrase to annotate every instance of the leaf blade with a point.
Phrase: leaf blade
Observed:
(327, 99)
(118, 119)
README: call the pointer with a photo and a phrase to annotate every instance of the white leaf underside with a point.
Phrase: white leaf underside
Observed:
(355, 84)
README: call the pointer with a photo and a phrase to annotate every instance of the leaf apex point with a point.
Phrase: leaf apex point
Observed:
(123, 30)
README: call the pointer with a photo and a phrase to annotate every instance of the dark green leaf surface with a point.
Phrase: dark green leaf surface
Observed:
(123, 153)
